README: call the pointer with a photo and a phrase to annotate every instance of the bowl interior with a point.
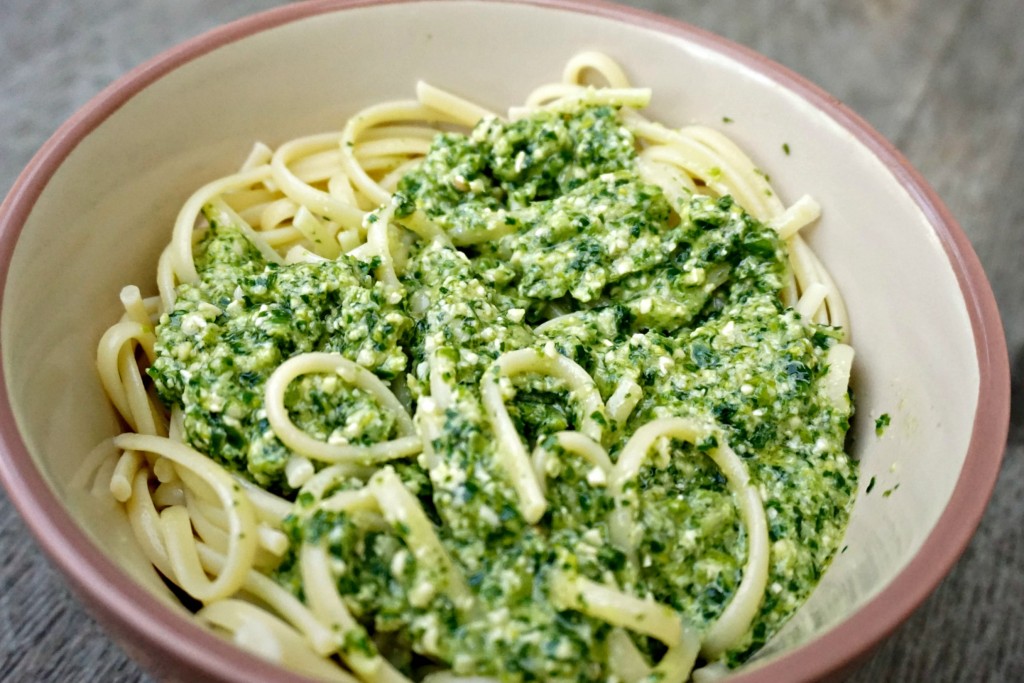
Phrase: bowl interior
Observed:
(102, 218)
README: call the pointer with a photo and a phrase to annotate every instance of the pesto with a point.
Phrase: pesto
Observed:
(228, 332)
(559, 229)
(882, 423)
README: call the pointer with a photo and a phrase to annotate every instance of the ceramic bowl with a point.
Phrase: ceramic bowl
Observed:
(94, 207)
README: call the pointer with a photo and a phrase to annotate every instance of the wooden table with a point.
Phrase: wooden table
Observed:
(942, 79)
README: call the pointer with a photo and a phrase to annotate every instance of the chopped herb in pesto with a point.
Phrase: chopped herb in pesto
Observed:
(881, 423)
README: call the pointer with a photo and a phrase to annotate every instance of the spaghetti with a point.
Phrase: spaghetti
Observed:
(447, 395)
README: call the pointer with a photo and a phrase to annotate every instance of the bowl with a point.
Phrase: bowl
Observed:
(94, 207)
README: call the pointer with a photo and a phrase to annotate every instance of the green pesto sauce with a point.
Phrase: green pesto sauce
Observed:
(227, 333)
(882, 423)
(682, 299)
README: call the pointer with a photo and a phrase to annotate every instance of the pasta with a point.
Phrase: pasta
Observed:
(447, 395)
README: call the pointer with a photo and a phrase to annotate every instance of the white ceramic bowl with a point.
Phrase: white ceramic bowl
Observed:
(95, 206)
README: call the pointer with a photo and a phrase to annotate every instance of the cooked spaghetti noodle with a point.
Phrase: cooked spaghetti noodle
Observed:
(450, 395)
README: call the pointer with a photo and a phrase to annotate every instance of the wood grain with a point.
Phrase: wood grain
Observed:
(942, 79)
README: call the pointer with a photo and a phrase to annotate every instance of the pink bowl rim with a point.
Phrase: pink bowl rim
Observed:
(155, 628)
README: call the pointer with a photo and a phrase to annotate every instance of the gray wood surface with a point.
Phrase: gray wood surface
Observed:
(942, 79)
